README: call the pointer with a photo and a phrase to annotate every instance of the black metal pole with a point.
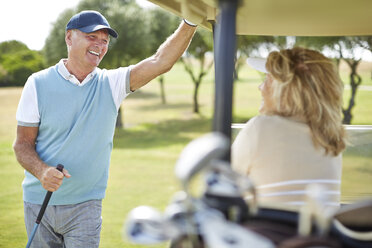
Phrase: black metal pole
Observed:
(225, 47)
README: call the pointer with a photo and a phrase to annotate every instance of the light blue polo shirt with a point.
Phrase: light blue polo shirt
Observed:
(76, 128)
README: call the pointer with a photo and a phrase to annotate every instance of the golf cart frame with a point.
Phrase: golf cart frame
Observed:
(264, 17)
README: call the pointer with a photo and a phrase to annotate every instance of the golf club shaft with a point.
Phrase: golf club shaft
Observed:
(32, 235)
(42, 210)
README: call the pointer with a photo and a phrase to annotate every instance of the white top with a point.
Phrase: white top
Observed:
(279, 156)
(28, 111)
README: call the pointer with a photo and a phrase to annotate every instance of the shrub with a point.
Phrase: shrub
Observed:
(17, 63)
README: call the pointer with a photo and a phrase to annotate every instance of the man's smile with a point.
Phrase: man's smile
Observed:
(93, 52)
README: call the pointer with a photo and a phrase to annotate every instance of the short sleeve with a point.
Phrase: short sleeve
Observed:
(244, 148)
(120, 84)
(28, 111)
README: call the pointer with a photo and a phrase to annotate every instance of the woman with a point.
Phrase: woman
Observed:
(298, 137)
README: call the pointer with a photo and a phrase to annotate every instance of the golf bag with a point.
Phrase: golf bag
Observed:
(223, 217)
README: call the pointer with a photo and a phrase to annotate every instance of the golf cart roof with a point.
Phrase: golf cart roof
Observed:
(283, 17)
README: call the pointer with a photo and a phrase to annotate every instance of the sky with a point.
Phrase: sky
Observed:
(30, 21)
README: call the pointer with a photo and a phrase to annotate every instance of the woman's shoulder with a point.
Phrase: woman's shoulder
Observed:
(257, 124)
(276, 119)
(264, 120)
(275, 123)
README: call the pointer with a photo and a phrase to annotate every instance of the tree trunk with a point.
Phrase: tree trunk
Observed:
(355, 81)
(236, 67)
(239, 62)
(196, 80)
(196, 103)
(119, 122)
(236, 71)
(162, 91)
(347, 117)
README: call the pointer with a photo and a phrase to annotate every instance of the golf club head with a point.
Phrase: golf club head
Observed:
(181, 213)
(145, 225)
(222, 181)
(218, 232)
(198, 154)
(178, 206)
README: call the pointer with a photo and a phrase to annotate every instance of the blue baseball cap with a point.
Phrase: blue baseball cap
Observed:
(89, 21)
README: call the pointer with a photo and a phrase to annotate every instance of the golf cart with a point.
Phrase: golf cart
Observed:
(221, 218)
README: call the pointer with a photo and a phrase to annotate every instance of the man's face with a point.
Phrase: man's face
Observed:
(87, 49)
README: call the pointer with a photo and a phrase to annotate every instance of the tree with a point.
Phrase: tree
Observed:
(8, 47)
(55, 46)
(201, 44)
(329, 43)
(17, 63)
(352, 60)
(161, 25)
(4, 78)
(251, 45)
(129, 20)
(125, 16)
(365, 42)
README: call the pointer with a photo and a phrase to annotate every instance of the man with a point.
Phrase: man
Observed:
(67, 115)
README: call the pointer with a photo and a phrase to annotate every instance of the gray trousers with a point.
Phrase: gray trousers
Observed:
(65, 226)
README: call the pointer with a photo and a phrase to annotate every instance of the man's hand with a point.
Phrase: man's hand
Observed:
(24, 148)
(51, 179)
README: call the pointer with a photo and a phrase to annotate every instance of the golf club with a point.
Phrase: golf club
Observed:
(218, 232)
(41, 212)
(198, 154)
(145, 225)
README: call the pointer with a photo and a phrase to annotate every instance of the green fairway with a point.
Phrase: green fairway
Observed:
(148, 146)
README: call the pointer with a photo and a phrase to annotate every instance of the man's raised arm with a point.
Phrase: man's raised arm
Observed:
(165, 57)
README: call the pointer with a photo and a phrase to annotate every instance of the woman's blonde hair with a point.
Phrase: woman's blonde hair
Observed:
(306, 84)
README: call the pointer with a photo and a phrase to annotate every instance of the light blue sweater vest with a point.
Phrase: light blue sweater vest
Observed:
(76, 129)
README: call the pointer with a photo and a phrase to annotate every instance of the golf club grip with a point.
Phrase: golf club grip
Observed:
(46, 199)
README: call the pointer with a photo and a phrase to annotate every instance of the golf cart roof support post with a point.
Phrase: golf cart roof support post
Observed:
(224, 45)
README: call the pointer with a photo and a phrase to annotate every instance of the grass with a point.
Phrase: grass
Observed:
(146, 150)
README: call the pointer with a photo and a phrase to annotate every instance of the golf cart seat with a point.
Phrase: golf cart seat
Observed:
(353, 224)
